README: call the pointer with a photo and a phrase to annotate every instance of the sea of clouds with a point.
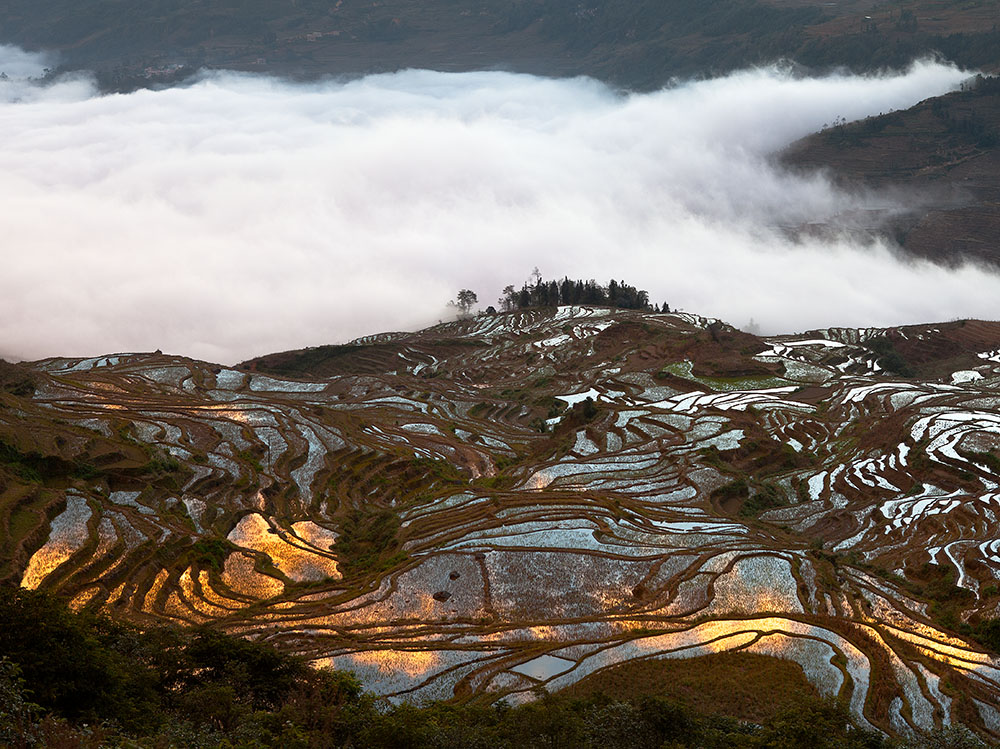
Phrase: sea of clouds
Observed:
(241, 214)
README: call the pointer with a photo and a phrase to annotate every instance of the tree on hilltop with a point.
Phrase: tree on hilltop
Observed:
(536, 292)
(508, 302)
(464, 302)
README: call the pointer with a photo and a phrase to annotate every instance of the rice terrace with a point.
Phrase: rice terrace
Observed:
(263, 486)
(523, 502)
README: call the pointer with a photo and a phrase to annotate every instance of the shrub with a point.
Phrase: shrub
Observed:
(368, 540)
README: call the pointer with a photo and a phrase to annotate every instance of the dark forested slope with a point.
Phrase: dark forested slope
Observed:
(640, 44)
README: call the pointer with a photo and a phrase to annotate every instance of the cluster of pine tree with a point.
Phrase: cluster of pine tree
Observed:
(537, 292)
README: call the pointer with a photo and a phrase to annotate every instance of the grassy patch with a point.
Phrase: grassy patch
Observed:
(308, 360)
(889, 358)
(212, 552)
(739, 685)
(368, 541)
(989, 461)
(766, 497)
(936, 584)
(251, 460)
(467, 342)
(685, 369)
(440, 469)
(162, 464)
(479, 409)
(748, 500)
(16, 380)
(22, 521)
(498, 482)
(35, 467)
(737, 489)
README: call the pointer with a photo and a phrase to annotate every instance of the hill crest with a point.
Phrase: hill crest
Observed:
(516, 501)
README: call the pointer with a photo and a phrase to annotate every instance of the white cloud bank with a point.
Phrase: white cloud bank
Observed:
(240, 214)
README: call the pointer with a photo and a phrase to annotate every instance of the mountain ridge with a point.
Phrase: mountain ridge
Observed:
(940, 156)
(640, 45)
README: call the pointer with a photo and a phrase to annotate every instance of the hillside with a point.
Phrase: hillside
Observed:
(517, 501)
(636, 44)
(941, 157)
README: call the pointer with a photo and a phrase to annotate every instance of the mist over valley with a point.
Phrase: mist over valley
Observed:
(527, 374)
(237, 214)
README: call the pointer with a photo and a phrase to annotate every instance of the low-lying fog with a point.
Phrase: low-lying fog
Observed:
(241, 214)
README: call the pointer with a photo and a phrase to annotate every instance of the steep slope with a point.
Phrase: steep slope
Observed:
(941, 157)
(522, 500)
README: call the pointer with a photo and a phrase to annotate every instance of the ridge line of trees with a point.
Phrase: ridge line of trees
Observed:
(537, 292)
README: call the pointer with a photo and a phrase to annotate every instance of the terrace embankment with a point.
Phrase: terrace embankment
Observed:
(531, 500)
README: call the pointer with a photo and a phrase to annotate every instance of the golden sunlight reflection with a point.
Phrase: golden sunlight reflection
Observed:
(68, 534)
(239, 575)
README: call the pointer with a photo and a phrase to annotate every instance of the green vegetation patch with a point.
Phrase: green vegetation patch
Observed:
(16, 380)
(766, 497)
(250, 459)
(437, 468)
(685, 369)
(738, 685)
(735, 491)
(22, 521)
(752, 500)
(315, 361)
(211, 552)
(935, 583)
(987, 460)
(89, 670)
(368, 541)
(35, 467)
(889, 358)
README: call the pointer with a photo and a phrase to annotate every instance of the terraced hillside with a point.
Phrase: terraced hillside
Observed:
(944, 153)
(515, 502)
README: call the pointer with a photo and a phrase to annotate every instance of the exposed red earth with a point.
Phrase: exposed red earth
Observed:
(517, 501)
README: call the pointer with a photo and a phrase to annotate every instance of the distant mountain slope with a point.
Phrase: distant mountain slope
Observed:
(638, 44)
(941, 156)
(517, 501)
